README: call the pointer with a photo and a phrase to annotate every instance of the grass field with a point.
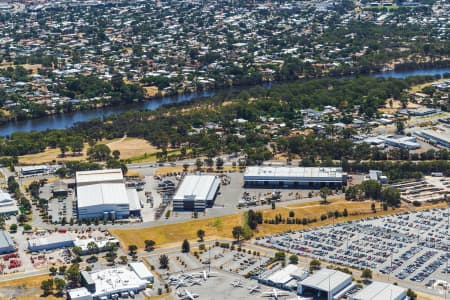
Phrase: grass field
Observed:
(24, 289)
(128, 147)
(221, 227)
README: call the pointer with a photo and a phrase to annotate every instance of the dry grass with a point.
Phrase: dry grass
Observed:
(172, 234)
(150, 91)
(33, 68)
(128, 147)
(24, 288)
(131, 147)
(176, 169)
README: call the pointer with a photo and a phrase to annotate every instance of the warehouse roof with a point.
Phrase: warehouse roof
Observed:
(133, 199)
(7, 204)
(293, 172)
(78, 293)
(441, 135)
(286, 274)
(380, 291)
(141, 270)
(198, 187)
(50, 240)
(101, 194)
(115, 280)
(326, 280)
(98, 176)
(33, 168)
(5, 239)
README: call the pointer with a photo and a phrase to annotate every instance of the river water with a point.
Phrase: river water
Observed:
(63, 121)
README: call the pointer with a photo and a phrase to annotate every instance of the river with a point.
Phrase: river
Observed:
(62, 121)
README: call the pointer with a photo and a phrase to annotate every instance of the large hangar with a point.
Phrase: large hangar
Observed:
(103, 194)
(324, 284)
(196, 193)
(380, 291)
(292, 177)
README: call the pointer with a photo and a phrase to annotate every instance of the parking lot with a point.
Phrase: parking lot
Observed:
(412, 246)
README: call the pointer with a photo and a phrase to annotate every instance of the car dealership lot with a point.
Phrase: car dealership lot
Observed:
(411, 246)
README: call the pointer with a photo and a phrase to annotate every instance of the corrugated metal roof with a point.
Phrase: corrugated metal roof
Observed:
(141, 270)
(5, 240)
(198, 187)
(293, 172)
(98, 176)
(102, 193)
(380, 291)
(326, 280)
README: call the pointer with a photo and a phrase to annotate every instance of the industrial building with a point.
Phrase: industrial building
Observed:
(377, 176)
(102, 245)
(8, 206)
(380, 291)
(109, 283)
(54, 241)
(196, 193)
(407, 142)
(292, 177)
(428, 189)
(6, 243)
(142, 271)
(286, 278)
(34, 170)
(324, 282)
(102, 194)
(441, 137)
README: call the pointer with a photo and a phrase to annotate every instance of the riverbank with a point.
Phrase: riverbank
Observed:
(63, 121)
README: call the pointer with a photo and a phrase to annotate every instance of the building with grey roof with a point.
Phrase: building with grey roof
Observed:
(288, 177)
(324, 282)
(380, 291)
(196, 193)
(6, 243)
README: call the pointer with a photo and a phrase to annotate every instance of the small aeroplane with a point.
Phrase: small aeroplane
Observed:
(188, 295)
(206, 274)
(180, 283)
(253, 289)
(195, 282)
(237, 283)
(276, 294)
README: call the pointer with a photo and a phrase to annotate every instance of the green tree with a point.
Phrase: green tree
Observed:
(237, 232)
(149, 245)
(92, 248)
(60, 284)
(366, 274)
(293, 259)
(116, 154)
(100, 152)
(314, 265)
(132, 249)
(411, 294)
(163, 261)
(73, 274)
(201, 234)
(324, 192)
(13, 228)
(47, 286)
(185, 247)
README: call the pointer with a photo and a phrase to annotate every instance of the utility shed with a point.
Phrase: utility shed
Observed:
(380, 291)
(324, 282)
(142, 271)
(6, 243)
(196, 193)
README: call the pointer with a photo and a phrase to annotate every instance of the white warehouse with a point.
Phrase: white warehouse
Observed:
(102, 194)
(291, 177)
(380, 291)
(196, 193)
